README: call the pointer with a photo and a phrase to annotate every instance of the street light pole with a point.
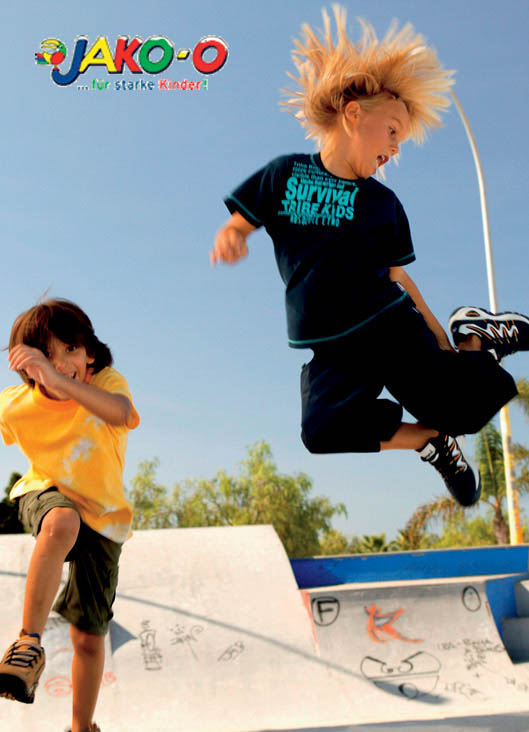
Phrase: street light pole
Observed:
(513, 506)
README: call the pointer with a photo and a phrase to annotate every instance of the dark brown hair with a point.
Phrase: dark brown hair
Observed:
(67, 322)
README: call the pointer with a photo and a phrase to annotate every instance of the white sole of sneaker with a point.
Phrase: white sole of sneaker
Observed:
(500, 328)
(471, 313)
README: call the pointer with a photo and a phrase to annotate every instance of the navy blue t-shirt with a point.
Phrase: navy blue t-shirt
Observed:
(335, 240)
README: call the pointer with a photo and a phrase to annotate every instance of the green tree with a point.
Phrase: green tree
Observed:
(153, 506)
(259, 494)
(464, 532)
(9, 521)
(333, 543)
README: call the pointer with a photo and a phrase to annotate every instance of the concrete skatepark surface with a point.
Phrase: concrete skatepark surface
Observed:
(212, 633)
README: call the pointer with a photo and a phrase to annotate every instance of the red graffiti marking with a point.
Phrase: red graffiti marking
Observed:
(58, 686)
(61, 686)
(379, 623)
(109, 677)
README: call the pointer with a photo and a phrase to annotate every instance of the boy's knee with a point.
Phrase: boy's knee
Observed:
(61, 524)
(85, 643)
(314, 441)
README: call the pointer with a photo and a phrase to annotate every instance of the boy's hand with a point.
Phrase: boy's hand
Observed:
(230, 246)
(444, 343)
(230, 242)
(37, 367)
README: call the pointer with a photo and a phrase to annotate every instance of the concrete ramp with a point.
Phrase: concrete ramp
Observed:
(426, 651)
(212, 634)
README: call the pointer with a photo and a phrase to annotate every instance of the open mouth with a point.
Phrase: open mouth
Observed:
(382, 160)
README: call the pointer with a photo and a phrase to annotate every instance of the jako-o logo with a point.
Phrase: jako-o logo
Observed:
(54, 53)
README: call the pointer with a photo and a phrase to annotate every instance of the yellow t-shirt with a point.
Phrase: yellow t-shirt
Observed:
(70, 448)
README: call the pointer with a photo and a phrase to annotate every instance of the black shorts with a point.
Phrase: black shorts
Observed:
(87, 598)
(455, 393)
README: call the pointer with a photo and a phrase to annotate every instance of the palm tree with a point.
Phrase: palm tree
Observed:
(376, 543)
(441, 508)
(489, 454)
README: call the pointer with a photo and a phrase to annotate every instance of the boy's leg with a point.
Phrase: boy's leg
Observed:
(409, 437)
(86, 603)
(87, 672)
(55, 539)
(455, 393)
(55, 522)
(340, 406)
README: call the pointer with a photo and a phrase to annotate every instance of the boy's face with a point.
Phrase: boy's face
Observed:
(375, 135)
(69, 360)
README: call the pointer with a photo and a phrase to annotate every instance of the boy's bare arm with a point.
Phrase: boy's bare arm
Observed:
(398, 274)
(230, 241)
(112, 408)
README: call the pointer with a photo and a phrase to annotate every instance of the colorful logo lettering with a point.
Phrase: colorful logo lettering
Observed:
(152, 56)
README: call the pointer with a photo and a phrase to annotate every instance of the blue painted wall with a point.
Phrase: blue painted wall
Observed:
(433, 564)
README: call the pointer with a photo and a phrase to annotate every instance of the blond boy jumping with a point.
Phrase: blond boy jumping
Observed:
(342, 240)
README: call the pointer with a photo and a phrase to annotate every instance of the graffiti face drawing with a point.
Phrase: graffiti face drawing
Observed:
(410, 677)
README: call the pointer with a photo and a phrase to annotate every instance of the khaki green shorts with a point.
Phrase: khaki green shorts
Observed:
(87, 598)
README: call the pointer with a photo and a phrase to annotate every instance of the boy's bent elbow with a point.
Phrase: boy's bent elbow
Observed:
(121, 415)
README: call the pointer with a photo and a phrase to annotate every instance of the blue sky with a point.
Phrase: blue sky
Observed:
(112, 198)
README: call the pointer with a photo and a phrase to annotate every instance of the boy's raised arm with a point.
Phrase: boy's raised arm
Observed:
(112, 408)
(230, 241)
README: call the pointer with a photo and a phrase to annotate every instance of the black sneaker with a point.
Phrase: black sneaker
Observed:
(463, 481)
(501, 333)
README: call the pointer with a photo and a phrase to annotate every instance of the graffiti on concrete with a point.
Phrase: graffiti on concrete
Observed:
(325, 610)
(476, 652)
(518, 685)
(186, 637)
(471, 599)
(411, 677)
(58, 686)
(459, 687)
(380, 624)
(232, 652)
(152, 655)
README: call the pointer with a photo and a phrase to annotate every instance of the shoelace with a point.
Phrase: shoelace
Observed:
(506, 332)
(449, 454)
(24, 656)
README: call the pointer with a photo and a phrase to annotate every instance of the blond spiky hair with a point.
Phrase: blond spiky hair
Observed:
(399, 66)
